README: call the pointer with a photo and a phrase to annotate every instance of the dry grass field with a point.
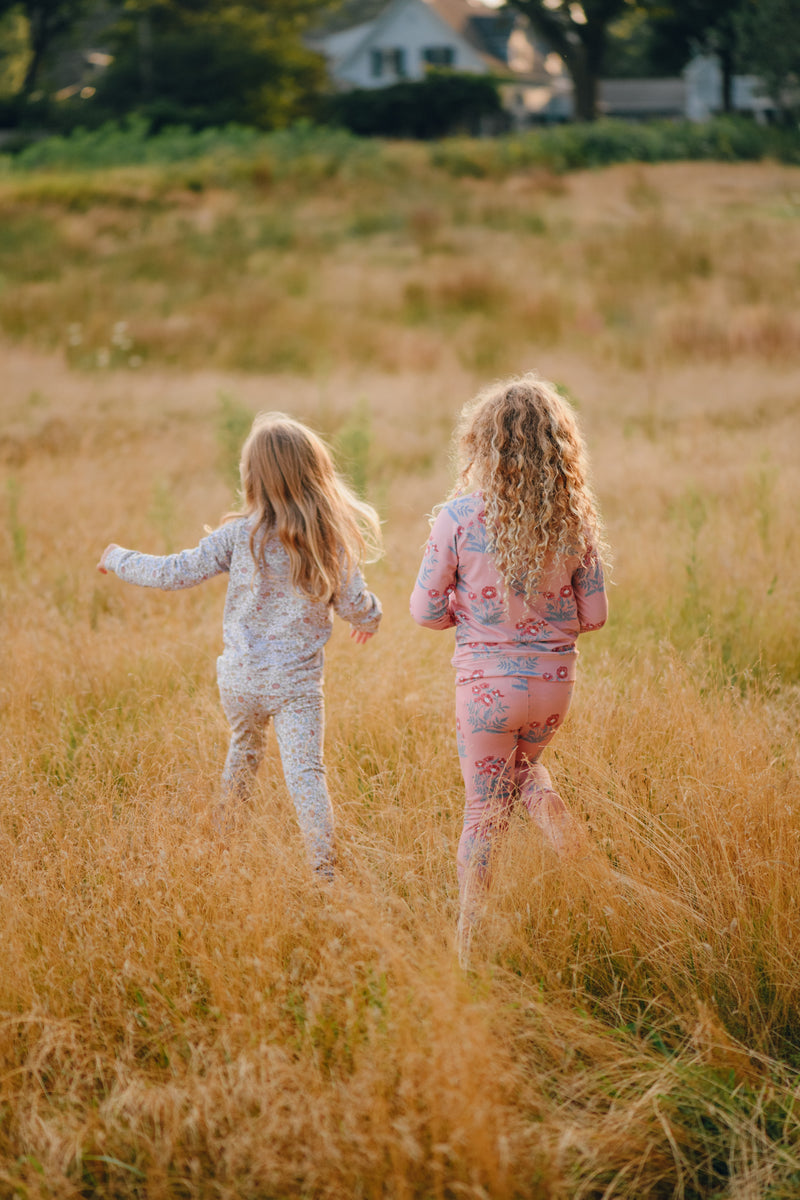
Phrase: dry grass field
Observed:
(180, 1018)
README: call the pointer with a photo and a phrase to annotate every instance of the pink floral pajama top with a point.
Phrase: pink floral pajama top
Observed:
(459, 585)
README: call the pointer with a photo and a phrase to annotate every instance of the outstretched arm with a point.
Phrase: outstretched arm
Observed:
(171, 571)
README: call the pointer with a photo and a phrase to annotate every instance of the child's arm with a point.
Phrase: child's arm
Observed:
(357, 605)
(588, 585)
(430, 600)
(171, 571)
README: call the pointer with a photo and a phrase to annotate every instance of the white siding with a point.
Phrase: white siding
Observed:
(413, 28)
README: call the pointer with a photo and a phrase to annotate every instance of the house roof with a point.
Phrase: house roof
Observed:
(483, 26)
(475, 22)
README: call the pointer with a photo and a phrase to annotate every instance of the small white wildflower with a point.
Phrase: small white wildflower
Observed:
(120, 338)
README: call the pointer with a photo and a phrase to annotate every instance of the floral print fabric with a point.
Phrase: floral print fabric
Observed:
(515, 666)
(502, 726)
(497, 630)
(299, 726)
(272, 660)
(267, 625)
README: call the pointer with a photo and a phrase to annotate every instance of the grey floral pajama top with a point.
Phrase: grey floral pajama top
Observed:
(271, 664)
(269, 629)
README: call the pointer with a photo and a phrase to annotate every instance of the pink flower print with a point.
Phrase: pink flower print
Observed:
(547, 675)
(489, 766)
(432, 592)
(549, 595)
(486, 699)
(496, 693)
(529, 627)
(562, 672)
(472, 595)
(553, 720)
(481, 518)
(448, 591)
(489, 593)
(566, 591)
(459, 530)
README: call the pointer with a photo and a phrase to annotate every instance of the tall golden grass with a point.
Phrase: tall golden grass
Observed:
(180, 1018)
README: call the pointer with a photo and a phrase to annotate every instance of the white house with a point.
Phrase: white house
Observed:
(407, 37)
(401, 39)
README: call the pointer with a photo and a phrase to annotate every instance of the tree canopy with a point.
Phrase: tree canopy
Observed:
(770, 29)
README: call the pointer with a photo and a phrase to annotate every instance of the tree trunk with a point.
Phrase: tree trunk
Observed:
(726, 67)
(144, 32)
(584, 85)
(39, 38)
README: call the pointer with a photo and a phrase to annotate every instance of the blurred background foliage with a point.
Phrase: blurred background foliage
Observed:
(206, 63)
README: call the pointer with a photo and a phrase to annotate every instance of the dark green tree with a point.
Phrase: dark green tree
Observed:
(770, 29)
(205, 62)
(47, 20)
(579, 33)
(681, 28)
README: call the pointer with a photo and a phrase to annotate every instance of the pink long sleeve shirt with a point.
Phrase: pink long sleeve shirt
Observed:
(498, 632)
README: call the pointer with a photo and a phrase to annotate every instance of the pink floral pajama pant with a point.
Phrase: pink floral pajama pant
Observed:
(299, 726)
(502, 726)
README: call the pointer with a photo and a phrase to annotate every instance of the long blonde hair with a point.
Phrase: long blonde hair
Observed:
(519, 443)
(291, 490)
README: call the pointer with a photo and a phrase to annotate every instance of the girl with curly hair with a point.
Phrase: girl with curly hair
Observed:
(514, 562)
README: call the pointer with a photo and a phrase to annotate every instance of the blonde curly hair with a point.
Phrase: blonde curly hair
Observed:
(518, 442)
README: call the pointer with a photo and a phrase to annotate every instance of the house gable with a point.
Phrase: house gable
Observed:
(402, 43)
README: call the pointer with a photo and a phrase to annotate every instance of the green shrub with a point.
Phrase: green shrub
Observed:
(441, 103)
(313, 153)
(304, 150)
(579, 146)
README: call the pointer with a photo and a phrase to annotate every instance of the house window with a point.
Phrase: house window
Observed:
(388, 62)
(439, 56)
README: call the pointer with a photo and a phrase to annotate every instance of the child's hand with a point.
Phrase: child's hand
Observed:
(360, 636)
(101, 566)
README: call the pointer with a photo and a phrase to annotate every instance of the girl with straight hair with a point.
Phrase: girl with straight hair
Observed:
(293, 555)
(514, 562)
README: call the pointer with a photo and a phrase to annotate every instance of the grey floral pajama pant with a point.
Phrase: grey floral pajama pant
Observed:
(299, 721)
